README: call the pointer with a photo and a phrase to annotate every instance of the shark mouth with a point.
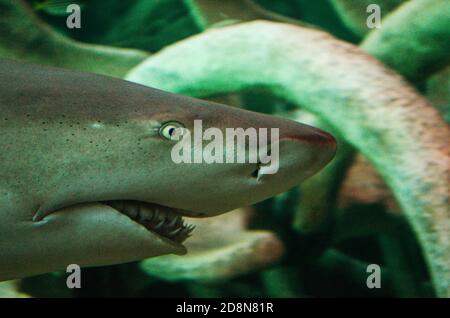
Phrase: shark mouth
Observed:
(160, 220)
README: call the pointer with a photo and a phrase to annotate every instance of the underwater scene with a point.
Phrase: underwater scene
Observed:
(225, 148)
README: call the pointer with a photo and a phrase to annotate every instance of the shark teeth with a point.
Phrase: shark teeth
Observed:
(160, 220)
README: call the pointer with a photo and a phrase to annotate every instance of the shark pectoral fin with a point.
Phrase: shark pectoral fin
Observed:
(90, 234)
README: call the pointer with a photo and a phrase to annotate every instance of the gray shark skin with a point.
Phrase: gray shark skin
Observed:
(71, 142)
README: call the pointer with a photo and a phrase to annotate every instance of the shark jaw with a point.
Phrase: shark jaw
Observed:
(164, 222)
(167, 223)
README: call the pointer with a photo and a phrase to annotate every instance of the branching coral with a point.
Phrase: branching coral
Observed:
(425, 50)
(394, 43)
(369, 105)
(23, 36)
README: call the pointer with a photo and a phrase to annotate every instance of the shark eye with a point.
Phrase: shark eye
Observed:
(168, 129)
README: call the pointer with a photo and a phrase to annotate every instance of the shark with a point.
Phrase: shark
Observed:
(86, 175)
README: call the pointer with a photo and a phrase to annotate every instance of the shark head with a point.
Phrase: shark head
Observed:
(205, 170)
(101, 171)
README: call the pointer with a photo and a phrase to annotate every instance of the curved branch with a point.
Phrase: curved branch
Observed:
(370, 106)
(414, 39)
(24, 36)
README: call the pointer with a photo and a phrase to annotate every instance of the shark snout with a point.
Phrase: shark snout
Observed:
(299, 152)
(310, 152)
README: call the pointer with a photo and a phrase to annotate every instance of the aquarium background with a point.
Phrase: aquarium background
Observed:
(316, 240)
